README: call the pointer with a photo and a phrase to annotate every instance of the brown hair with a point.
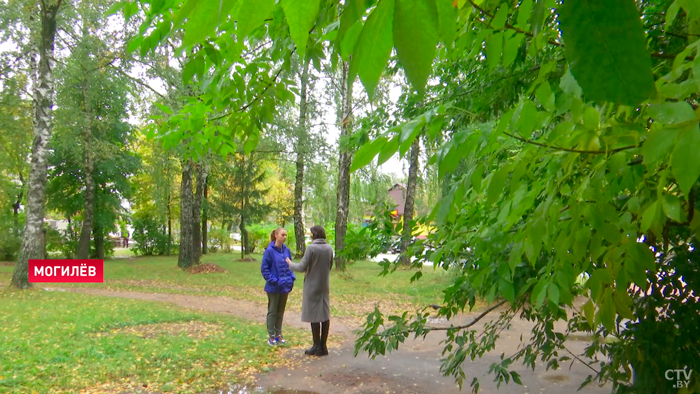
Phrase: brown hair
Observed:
(318, 232)
(273, 234)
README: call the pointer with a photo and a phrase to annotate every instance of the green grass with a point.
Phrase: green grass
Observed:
(65, 342)
(353, 293)
(54, 341)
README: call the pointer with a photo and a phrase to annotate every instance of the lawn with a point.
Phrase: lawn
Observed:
(57, 341)
(354, 292)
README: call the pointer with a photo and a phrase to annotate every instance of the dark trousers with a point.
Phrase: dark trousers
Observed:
(276, 302)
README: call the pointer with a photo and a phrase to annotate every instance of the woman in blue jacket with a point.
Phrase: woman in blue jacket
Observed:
(279, 281)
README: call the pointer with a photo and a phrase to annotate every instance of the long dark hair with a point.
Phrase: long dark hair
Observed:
(318, 232)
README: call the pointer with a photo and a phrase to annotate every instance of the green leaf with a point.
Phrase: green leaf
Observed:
(184, 12)
(591, 119)
(445, 207)
(511, 50)
(415, 38)
(526, 119)
(409, 133)
(366, 154)
(477, 176)
(554, 293)
(163, 108)
(507, 290)
(352, 12)
(204, 19)
(658, 144)
(606, 50)
(251, 14)
(374, 46)
(188, 71)
(116, 7)
(498, 181)
(607, 311)
(589, 312)
(642, 255)
(537, 18)
(622, 303)
(301, 15)
(250, 143)
(672, 113)
(447, 17)
(449, 162)
(388, 151)
(685, 159)
(672, 12)
(134, 44)
(538, 293)
(349, 41)
(516, 377)
(649, 216)
(672, 207)
(598, 278)
(524, 13)
(499, 20)
(494, 49)
(569, 85)
(546, 97)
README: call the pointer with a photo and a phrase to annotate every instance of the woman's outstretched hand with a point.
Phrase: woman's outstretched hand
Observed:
(289, 261)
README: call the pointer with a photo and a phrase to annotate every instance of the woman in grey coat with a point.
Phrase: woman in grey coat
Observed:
(315, 308)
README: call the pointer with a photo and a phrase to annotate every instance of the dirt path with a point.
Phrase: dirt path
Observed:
(414, 369)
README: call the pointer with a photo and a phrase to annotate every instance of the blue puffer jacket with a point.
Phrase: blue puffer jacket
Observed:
(279, 278)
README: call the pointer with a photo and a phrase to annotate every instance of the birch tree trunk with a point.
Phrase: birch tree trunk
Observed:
(185, 258)
(410, 201)
(302, 141)
(344, 162)
(32, 240)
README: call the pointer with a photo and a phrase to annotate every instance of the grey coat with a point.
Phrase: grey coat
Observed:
(316, 264)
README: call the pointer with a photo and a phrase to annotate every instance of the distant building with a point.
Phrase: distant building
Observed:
(398, 194)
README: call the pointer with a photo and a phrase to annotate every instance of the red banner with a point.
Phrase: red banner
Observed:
(66, 271)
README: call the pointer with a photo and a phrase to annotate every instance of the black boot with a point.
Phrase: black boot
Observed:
(325, 326)
(317, 348)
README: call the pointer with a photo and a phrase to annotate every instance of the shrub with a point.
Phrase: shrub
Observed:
(11, 241)
(148, 237)
(219, 239)
(64, 242)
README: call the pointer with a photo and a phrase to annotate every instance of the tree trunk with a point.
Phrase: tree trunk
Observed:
(43, 104)
(302, 140)
(185, 258)
(196, 216)
(410, 201)
(99, 242)
(205, 208)
(170, 228)
(245, 248)
(84, 243)
(344, 162)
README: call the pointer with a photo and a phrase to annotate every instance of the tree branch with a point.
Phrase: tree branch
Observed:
(253, 101)
(581, 361)
(471, 323)
(561, 148)
(138, 81)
